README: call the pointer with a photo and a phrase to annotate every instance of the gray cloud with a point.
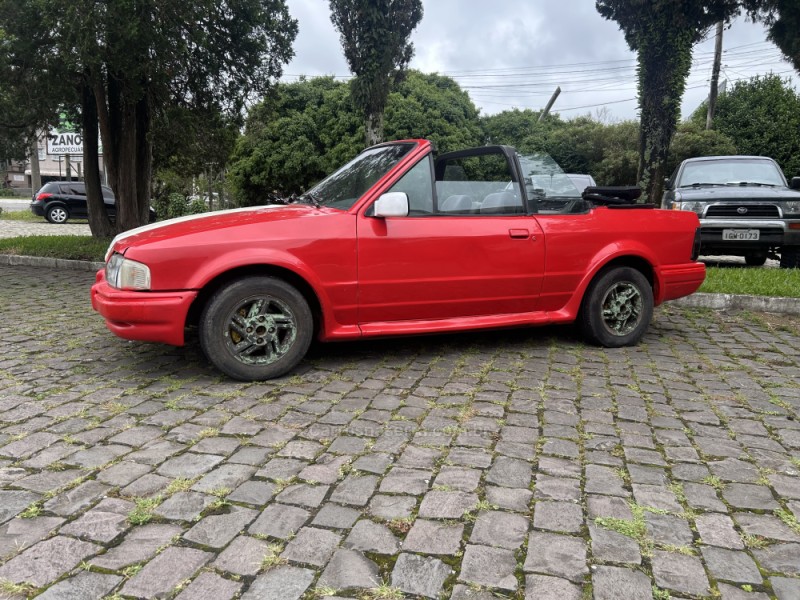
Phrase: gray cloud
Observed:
(508, 53)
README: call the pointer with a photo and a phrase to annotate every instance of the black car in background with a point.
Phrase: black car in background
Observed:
(59, 201)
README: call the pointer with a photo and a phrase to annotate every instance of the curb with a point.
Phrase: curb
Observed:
(786, 306)
(53, 263)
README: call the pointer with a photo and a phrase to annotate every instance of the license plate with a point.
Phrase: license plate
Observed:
(740, 235)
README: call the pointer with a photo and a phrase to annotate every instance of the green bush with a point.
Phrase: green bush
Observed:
(177, 205)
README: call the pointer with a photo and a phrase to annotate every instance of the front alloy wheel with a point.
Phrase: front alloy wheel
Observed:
(617, 307)
(260, 330)
(256, 328)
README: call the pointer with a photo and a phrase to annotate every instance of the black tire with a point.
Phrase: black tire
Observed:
(256, 328)
(790, 257)
(617, 307)
(755, 259)
(57, 214)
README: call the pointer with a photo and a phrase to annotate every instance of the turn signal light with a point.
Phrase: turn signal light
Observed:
(794, 225)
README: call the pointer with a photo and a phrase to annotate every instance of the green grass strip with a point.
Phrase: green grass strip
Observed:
(754, 281)
(71, 247)
(20, 215)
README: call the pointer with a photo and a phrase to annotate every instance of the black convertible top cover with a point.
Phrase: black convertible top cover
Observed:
(612, 195)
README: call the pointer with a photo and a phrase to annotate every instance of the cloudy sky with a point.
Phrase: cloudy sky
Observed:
(508, 53)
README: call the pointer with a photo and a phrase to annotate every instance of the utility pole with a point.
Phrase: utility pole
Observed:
(68, 167)
(712, 95)
(552, 101)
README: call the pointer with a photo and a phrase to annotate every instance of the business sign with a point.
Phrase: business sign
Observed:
(64, 142)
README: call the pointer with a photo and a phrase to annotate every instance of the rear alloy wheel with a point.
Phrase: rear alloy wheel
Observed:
(256, 328)
(755, 259)
(617, 307)
(790, 257)
(57, 215)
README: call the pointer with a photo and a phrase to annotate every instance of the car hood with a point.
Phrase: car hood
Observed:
(219, 220)
(737, 193)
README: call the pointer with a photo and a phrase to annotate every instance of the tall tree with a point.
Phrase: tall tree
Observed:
(662, 33)
(374, 36)
(129, 60)
(782, 19)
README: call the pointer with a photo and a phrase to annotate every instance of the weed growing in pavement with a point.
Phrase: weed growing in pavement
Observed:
(143, 511)
(788, 518)
(273, 557)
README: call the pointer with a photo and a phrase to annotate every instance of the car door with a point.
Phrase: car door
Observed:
(467, 247)
(76, 199)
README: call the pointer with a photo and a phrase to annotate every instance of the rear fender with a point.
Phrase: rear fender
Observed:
(623, 253)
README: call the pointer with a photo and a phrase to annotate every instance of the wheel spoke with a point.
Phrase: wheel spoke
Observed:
(245, 348)
(255, 308)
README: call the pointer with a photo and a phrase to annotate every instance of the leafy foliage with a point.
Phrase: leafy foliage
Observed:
(762, 117)
(662, 33)
(782, 19)
(693, 139)
(581, 145)
(374, 36)
(304, 130)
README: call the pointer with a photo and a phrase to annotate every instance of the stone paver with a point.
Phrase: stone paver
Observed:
(506, 463)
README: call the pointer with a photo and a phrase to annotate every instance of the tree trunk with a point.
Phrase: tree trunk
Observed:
(663, 68)
(125, 125)
(144, 159)
(374, 128)
(36, 176)
(99, 222)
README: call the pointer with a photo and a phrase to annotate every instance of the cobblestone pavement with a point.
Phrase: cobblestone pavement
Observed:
(518, 464)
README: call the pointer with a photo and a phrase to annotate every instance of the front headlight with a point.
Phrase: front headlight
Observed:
(791, 208)
(125, 274)
(696, 207)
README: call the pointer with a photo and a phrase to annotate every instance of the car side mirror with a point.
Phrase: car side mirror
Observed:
(795, 184)
(392, 204)
(666, 183)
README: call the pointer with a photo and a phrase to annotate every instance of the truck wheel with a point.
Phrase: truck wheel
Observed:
(256, 328)
(755, 259)
(617, 307)
(57, 215)
(790, 258)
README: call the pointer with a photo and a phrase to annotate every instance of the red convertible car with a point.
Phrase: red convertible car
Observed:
(399, 241)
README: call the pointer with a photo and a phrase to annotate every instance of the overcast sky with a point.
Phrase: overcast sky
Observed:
(508, 53)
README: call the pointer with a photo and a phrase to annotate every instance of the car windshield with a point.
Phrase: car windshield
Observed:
(546, 181)
(731, 172)
(344, 187)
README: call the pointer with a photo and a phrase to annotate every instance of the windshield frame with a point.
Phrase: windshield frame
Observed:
(318, 191)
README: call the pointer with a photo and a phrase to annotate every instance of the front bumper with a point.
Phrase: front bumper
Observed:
(676, 281)
(142, 316)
